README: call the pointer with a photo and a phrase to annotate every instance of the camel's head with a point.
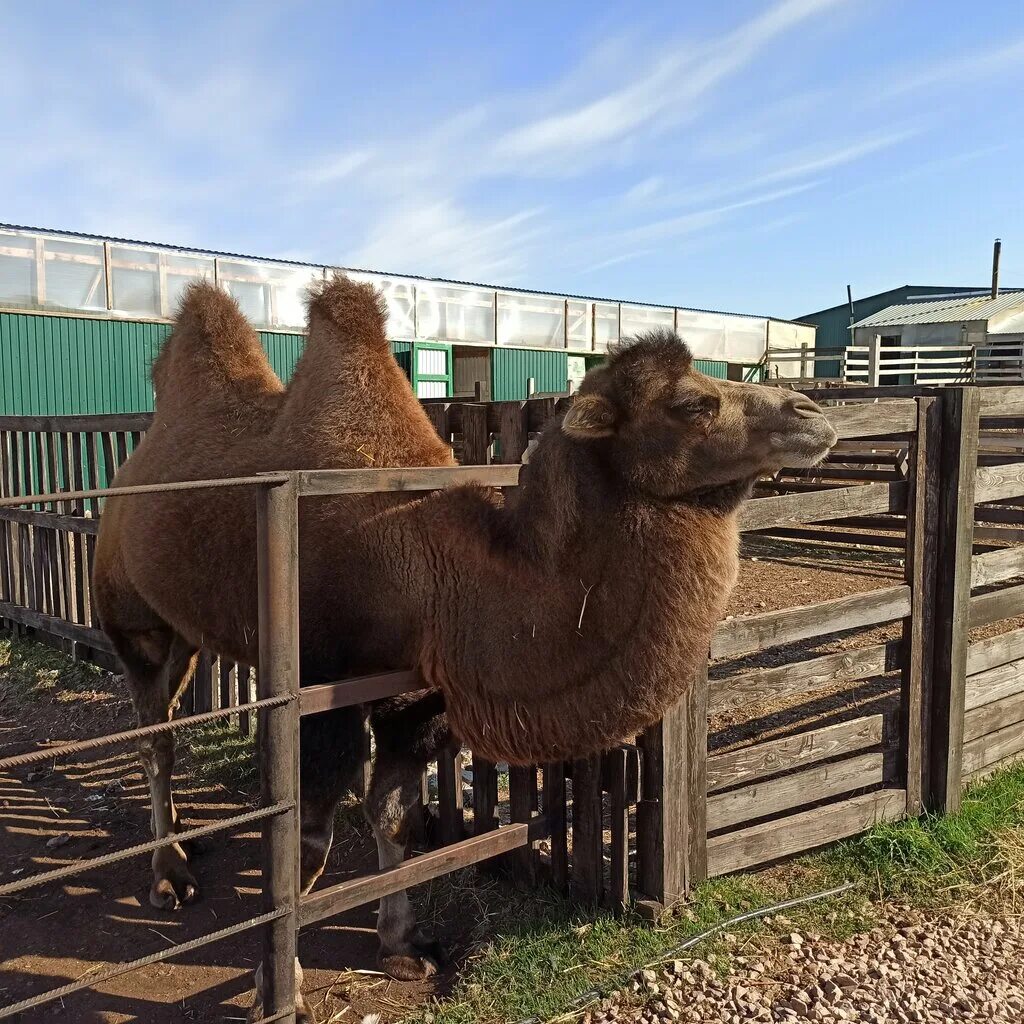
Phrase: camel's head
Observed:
(670, 431)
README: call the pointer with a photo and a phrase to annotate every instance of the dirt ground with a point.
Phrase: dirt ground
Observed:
(56, 934)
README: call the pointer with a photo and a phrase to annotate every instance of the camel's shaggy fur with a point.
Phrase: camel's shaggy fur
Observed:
(548, 627)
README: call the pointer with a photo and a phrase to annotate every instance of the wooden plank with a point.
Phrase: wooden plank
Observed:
(996, 746)
(1002, 401)
(771, 797)
(993, 717)
(802, 677)
(997, 566)
(1000, 604)
(85, 635)
(695, 710)
(873, 420)
(995, 650)
(614, 768)
(485, 796)
(554, 811)
(953, 594)
(995, 482)
(920, 566)
(346, 693)
(512, 430)
(994, 684)
(476, 437)
(801, 832)
(819, 506)
(587, 831)
(323, 483)
(750, 633)
(140, 421)
(832, 536)
(355, 893)
(772, 757)
(449, 796)
(522, 790)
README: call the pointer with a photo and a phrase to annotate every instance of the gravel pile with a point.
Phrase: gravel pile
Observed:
(911, 970)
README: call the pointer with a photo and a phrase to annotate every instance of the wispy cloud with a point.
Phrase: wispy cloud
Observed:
(666, 93)
(329, 170)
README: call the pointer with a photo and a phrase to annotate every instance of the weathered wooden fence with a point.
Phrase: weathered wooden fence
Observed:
(650, 818)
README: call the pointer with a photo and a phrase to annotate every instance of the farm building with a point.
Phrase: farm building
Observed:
(943, 341)
(82, 317)
(833, 323)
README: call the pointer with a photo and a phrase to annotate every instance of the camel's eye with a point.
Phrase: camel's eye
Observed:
(698, 408)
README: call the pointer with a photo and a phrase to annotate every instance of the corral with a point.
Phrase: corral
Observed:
(815, 719)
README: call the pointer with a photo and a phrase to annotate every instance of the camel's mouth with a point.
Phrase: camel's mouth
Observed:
(805, 448)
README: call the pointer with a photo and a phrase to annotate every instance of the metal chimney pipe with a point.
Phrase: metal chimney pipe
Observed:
(997, 248)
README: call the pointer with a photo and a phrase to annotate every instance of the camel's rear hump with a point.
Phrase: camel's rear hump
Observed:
(213, 355)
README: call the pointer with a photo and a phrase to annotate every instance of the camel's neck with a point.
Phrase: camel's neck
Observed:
(578, 614)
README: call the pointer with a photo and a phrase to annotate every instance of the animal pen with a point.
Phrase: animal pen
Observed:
(937, 475)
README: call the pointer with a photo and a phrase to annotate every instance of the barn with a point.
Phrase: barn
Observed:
(83, 316)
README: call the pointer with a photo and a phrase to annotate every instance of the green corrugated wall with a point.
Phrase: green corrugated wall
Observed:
(75, 366)
(712, 367)
(511, 368)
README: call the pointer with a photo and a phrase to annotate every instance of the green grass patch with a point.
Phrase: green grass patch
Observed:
(546, 953)
(29, 671)
(221, 755)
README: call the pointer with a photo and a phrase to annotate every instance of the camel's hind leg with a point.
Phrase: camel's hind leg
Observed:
(408, 734)
(158, 666)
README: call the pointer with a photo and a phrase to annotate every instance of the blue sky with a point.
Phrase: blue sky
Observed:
(751, 156)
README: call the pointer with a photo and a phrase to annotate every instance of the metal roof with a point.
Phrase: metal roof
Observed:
(62, 233)
(944, 311)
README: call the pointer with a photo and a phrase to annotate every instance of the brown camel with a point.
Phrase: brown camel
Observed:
(547, 627)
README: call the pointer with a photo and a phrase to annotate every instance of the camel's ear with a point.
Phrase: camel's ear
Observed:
(590, 416)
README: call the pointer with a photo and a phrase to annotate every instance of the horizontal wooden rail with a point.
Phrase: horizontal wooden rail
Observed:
(772, 757)
(750, 633)
(1000, 604)
(101, 423)
(326, 482)
(996, 715)
(987, 751)
(802, 677)
(994, 684)
(87, 635)
(51, 521)
(1002, 401)
(896, 417)
(995, 650)
(820, 506)
(996, 566)
(355, 893)
(770, 797)
(347, 693)
(993, 483)
(798, 833)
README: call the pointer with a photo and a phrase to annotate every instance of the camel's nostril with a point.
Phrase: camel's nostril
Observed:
(803, 406)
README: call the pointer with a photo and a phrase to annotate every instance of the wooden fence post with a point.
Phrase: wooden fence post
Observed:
(959, 461)
(672, 811)
(277, 525)
(920, 565)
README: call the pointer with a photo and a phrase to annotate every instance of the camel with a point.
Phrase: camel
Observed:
(546, 626)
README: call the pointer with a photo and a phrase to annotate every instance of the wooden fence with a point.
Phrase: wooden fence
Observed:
(678, 804)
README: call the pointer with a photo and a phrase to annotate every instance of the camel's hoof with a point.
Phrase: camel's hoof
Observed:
(172, 891)
(422, 960)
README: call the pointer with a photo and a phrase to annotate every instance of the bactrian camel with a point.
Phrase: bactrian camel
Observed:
(547, 627)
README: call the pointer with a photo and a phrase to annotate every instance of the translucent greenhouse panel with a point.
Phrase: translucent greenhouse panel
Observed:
(268, 294)
(74, 275)
(606, 324)
(179, 271)
(735, 339)
(579, 328)
(454, 313)
(536, 321)
(401, 299)
(135, 281)
(17, 269)
(636, 319)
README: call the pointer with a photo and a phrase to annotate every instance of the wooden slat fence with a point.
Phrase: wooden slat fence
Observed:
(652, 817)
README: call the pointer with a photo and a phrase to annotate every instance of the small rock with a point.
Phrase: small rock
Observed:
(59, 840)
